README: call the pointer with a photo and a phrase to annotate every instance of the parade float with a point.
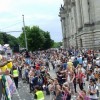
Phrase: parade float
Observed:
(8, 86)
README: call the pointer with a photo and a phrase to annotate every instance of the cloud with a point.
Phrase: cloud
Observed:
(11, 5)
(5, 5)
(40, 17)
(43, 13)
(40, 2)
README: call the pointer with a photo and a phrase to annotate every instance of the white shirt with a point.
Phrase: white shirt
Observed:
(58, 62)
(97, 70)
(85, 63)
(92, 88)
(98, 62)
(72, 58)
(83, 70)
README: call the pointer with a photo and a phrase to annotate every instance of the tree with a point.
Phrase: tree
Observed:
(1, 38)
(57, 44)
(21, 38)
(48, 41)
(37, 38)
(5, 38)
(8, 39)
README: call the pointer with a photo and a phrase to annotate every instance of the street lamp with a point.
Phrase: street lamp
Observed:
(24, 33)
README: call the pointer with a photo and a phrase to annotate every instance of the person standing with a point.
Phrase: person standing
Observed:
(6, 72)
(15, 76)
(27, 58)
(58, 91)
(76, 62)
(31, 76)
(39, 95)
(92, 90)
(80, 76)
(51, 89)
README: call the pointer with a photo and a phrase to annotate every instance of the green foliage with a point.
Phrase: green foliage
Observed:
(57, 44)
(1, 38)
(36, 38)
(8, 39)
(21, 38)
(48, 42)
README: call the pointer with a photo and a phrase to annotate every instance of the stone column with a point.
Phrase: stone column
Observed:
(92, 11)
(73, 21)
(62, 24)
(85, 10)
(78, 11)
(67, 30)
(64, 31)
(70, 24)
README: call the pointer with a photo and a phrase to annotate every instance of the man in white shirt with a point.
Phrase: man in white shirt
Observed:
(98, 62)
(92, 90)
(85, 63)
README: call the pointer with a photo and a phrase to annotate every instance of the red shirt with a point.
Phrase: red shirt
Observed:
(80, 76)
(37, 67)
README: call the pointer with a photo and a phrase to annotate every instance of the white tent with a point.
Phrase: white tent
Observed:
(6, 45)
(1, 47)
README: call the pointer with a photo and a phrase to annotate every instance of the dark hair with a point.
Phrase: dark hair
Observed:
(91, 70)
(75, 58)
(37, 87)
(92, 80)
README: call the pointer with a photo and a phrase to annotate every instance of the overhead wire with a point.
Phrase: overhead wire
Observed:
(11, 25)
(14, 24)
(12, 31)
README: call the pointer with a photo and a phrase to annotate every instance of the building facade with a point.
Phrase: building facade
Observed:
(80, 21)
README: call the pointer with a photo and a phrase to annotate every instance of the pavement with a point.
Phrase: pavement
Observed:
(22, 92)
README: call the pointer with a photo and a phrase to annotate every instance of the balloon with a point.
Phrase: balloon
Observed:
(4, 68)
(9, 65)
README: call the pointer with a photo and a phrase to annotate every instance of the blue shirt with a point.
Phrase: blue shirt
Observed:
(80, 60)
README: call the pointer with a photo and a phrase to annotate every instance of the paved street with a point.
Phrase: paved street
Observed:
(23, 90)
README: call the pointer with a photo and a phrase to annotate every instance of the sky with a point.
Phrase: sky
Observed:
(43, 13)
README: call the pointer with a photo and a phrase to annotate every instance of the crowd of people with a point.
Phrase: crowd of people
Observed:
(77, 73)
